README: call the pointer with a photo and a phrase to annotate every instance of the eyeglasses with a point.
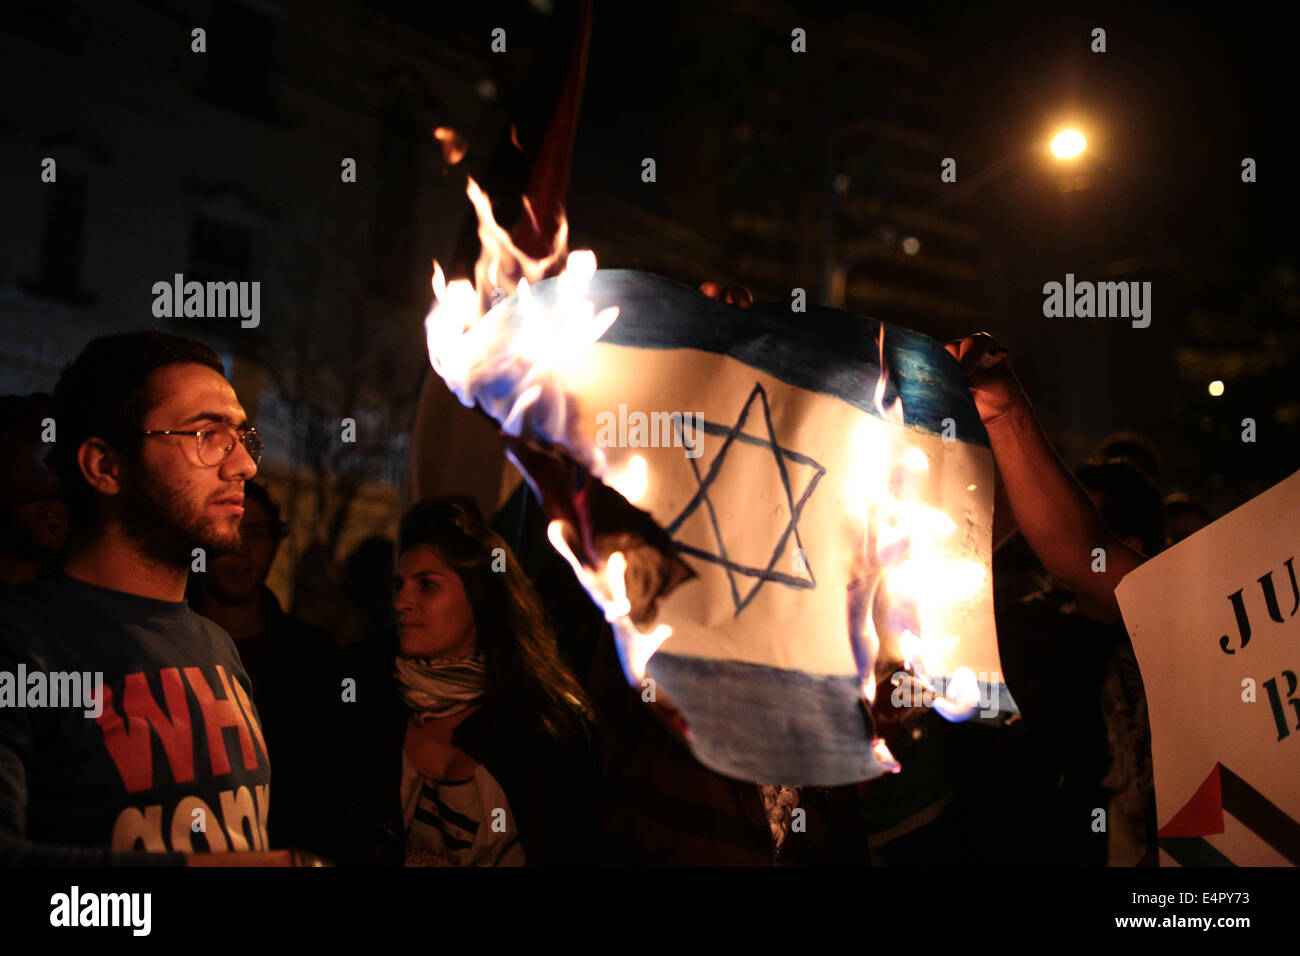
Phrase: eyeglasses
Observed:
(217, 441)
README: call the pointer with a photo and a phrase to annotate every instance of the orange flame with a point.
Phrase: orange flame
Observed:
(913, 577)
(511, 361)
(609, 590)
(454, 146)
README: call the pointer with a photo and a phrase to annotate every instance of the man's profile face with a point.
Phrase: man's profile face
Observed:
(237, 577)
(170, 500)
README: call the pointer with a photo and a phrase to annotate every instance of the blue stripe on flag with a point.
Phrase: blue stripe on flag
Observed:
(747, 718)
(822, 350)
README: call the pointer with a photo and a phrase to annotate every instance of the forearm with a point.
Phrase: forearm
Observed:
(15, 851)
(1055, 515)
(251, 858)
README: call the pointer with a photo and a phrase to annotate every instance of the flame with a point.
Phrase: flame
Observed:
(962, 696)
(914, 579)
(510, 360)
(884, 757)
(630, 480)
(609, 590)
(454, 146)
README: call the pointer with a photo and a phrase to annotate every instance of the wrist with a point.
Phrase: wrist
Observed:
(1012, 418)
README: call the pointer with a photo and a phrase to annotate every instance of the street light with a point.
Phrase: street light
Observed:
(1068, 144)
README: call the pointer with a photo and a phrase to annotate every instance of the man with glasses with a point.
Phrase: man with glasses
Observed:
(167, 764)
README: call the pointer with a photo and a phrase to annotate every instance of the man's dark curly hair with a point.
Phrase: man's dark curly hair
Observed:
(105, 393)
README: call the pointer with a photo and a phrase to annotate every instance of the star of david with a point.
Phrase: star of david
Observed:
(736, 572)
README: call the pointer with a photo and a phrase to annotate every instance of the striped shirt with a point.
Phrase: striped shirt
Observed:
(464, 822)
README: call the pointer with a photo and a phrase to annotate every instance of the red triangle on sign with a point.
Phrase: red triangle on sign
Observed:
(1200, 815)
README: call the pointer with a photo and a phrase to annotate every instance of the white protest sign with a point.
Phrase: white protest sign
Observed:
(1215, 627)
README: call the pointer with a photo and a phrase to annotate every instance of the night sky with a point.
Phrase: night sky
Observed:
(1170, 109)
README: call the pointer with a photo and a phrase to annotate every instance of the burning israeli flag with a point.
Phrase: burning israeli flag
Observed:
(786, 517)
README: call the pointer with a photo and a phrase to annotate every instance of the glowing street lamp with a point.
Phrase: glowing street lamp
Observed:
(1068, 144)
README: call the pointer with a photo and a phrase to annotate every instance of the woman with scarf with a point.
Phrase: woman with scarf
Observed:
(488, 751)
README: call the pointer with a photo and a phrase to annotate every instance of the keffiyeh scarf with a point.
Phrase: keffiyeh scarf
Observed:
(440, 687)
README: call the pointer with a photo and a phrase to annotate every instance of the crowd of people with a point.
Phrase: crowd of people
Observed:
(474, 712)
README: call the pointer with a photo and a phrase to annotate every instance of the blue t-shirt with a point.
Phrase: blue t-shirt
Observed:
(166, 756)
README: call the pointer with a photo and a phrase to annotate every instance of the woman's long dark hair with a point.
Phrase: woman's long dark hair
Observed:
(527, 684)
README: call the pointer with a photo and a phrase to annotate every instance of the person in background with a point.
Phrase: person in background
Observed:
(1137, 448)
(486, 753)
(1061, 521)
(232, 590)
(1072, 671)
(906, 813)
(316, 588)
(661, 807)
(366, 593)
(33, 517)
(1184, 516)
(293, 671)
(1129, 503)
